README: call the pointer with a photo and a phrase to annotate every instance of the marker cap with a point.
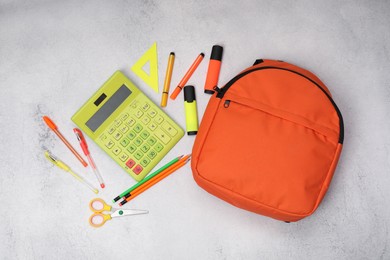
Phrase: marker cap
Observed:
(190, 110)
(49, 123)
(189, 93)
(216, 53)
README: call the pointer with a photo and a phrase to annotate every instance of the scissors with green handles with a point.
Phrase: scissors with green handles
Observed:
(98, 218)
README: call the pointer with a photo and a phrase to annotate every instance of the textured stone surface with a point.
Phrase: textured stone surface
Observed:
(55, 54)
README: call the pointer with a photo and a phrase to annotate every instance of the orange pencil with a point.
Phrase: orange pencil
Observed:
(54, 127)
(162, 175)
(153, 182)
(157, 179)
(187, 76)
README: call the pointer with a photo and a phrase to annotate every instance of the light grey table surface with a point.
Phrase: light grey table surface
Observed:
(55, 54)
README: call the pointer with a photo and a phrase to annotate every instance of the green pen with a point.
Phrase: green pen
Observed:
(129, 190)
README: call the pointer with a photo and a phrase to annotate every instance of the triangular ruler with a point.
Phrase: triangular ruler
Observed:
(152, 78)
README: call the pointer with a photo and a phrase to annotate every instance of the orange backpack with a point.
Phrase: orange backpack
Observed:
(269, 141)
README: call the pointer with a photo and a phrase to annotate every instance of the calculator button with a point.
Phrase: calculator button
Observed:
(137, 169)
(124, 117)
(152, 140)
(139, 113)
(138, 141)
(109, 143)
(138, 155)
(131, 135)
(111, 130)
(132, 148)
(152, 154)
(162, 136)
(117, 122)
(117, 135)
(145, 148)
(152, 113)
(130, 163)
(123, 157)
(134, 104)
(103, 137)
(159, 119)
(145, 134)
(137, 128)
(145, 161)
(145, 120)
(152, 126)
(131, 121)
(145, 106)
(116, 150)
(170, 130)
(125, 142)
(159, 147)
(124, 129)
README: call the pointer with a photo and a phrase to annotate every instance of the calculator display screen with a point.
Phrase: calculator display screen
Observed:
(108, 108)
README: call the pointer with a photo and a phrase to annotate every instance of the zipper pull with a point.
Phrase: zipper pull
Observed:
(226, 104)
(220, 91)
(217, 89)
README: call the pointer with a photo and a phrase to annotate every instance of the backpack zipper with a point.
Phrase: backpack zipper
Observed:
(222, 91)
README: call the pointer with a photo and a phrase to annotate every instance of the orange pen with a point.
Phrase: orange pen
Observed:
(187, 76)
(54, 127)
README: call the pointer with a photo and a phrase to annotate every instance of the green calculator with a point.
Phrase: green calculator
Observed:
(128, 126)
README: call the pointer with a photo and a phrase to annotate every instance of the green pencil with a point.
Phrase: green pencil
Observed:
(123, 194)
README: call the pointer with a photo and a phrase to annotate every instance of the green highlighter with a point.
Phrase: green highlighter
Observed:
(190, 110)
(128, 126)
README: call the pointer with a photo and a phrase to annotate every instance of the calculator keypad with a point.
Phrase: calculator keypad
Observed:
(138, 135)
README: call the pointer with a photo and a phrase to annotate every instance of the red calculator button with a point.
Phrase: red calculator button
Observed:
(130, 163)
(138, 169)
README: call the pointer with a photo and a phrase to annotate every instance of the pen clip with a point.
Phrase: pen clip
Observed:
(51, 157)
(81, 139)
(56, 161)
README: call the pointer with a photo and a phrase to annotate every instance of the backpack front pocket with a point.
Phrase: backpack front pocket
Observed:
(272, 157)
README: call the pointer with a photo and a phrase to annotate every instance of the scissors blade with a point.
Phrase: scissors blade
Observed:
(126, 212)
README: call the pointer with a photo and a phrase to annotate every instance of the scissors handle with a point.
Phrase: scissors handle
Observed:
(97, 219)
(98, 205)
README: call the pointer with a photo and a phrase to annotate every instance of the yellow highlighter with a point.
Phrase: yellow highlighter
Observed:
(190, 110)
(66, 168)
(167, 81)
